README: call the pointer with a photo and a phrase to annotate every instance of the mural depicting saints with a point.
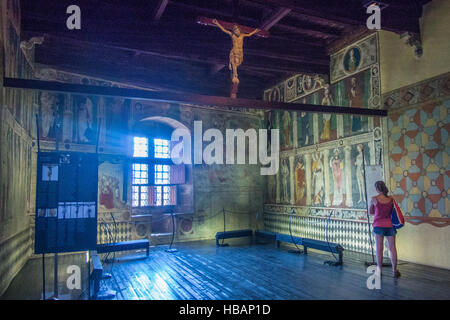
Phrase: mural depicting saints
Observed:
(285, 181)
(318, 182)
(287, 129)
(300, 182)
(326, 101)
(337, 167)
(360, 173)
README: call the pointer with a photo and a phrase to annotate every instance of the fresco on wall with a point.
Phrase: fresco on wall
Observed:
(51, 115)
(318, 183)
(110, 186)
(286, 139)
(304, 129)
(271, 188)
(327, 121)
(300, 180)
(85, 124)
(359, 56)
(418, 150)
(357, 171)
(285, 178)
(336, 166)
(352, 59)
(116, 120)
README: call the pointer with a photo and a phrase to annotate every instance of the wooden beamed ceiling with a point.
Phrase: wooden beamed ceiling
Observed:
(159, 44)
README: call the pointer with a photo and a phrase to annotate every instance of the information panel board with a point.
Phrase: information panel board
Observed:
(66, 202)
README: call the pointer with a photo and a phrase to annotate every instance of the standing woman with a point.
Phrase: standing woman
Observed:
(381, 206)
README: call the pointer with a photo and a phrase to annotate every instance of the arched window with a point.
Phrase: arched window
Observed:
(155, 180)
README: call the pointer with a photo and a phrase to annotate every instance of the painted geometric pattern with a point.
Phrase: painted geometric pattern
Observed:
(108, 232)
(419, 161)
(423, 92)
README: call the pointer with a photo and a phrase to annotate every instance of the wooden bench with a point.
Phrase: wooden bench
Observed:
(268, 235)
(324, 246)
(124, 246)
(280, 237)
(314, 244)
(233, 234)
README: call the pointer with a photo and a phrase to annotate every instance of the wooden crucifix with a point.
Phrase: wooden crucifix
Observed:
(237, 34)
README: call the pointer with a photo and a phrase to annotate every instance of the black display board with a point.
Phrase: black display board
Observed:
(66, 202)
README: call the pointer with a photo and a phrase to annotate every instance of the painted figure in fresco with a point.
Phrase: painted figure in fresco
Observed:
(300, 183)
(274, 95)
(287, 128)
(285, 180)
(317, 171)
(47, 113)
(110, 192)
(337, 167)
(85, 121)
(304, 129)
(352, 60)
(271, 188)
(352, 64)
(360, 174)
(355, 98)
(115, 120)
(326, 101)
(237, 52)
(308, 82)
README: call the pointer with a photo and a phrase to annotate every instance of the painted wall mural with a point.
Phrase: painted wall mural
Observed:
(419, 126)
(359, 56)
(322, 155)
(17, 159)
(76, 120)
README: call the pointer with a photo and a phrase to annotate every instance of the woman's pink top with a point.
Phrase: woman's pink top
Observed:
(382, 212)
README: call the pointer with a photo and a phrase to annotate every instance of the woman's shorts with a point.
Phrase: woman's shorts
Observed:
(387, 232)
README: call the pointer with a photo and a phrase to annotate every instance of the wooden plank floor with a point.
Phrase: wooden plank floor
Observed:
(243, 271)
(200, 270)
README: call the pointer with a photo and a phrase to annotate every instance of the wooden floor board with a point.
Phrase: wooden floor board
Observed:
(245, 271)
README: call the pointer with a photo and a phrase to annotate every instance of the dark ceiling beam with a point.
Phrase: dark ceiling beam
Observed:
(274, 18)
(151, 71)
(182, 32)
(257, 63)
(196, 99)
(188, 53)
(159, 10)
(350, 12)
(183, 82)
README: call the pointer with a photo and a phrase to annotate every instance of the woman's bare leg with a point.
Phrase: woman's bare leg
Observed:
(379, 244)
(393, 254)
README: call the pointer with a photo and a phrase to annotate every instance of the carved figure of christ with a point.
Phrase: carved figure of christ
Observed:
(237, 51)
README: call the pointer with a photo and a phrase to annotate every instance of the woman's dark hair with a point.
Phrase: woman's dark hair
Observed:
(380, 186)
